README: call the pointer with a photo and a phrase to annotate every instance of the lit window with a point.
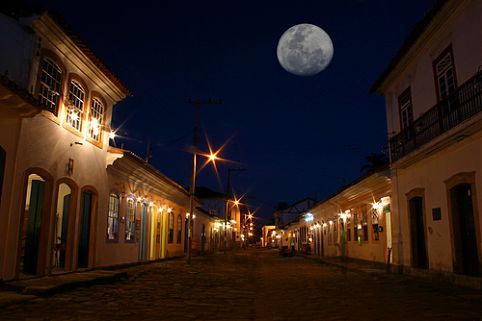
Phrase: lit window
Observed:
(75, 109)
(96, 119)
(179, 229)
(50, 84)
(113, 217)
(170, 236)
(131, 220)
(376, 233)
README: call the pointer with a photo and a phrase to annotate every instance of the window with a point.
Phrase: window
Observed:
(96, 119)
(335, 232)
(330, 241)
(75, 110)
(131, 220)
(179, 229)
(445, 74)
(405, 109)
(365, 224)
(170, 236)
(113, 217)
(50, 85)
(375, 234)
(355, 227)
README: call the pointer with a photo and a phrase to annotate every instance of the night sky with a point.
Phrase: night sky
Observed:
(296, 136)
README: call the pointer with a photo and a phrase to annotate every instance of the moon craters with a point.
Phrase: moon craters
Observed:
(305, 50)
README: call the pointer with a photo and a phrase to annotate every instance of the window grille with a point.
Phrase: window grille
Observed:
(50, 85)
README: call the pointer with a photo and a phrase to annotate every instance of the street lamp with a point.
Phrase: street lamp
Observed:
(212, 157)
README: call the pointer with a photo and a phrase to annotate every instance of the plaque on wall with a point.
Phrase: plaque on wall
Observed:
(436, 214)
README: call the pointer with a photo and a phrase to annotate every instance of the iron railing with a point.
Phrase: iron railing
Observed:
(461, 105)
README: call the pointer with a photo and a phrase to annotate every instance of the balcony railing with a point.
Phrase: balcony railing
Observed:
(461, 105)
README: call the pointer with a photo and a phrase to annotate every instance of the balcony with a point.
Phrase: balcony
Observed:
(463, 104)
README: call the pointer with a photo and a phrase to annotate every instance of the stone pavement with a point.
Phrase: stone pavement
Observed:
(28, 289)
(254, 284)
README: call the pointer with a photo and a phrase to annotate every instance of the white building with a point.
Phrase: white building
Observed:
(433, 94)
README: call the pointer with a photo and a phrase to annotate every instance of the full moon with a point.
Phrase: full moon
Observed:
(305, 50)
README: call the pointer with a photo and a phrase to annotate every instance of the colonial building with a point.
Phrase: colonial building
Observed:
(288, 213)
(355, 222)
(68, 200)
(433, 95)
(147, 215)
(56, 101)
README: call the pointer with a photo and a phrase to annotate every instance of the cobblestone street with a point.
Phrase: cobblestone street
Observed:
(255, 284)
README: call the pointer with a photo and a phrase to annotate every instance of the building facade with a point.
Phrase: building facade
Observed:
(354, 223)
(69, 201)
(56, 106)
(433, 95)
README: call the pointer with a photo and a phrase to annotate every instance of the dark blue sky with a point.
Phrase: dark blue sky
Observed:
(297, 136)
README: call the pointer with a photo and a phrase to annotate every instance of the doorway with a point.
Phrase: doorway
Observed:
(463, 224)
(31, 225)
(417, 229)
(61, 226)
(84, 229)
(143, 234)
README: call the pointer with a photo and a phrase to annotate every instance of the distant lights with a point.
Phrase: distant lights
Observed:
(308, 217)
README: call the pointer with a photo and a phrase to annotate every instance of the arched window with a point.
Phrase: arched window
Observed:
(75, 110)
(113, 218)
(170, 236)
(50, 84)
(179, 228)
(96, 119)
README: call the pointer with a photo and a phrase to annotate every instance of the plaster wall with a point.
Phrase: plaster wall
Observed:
(463, 31)
(430, 175)
(16, 50)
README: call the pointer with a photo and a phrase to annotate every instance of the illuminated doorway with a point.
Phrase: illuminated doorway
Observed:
(61, 227)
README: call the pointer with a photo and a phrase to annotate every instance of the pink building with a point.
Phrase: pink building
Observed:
(56, 101)
(433, 95)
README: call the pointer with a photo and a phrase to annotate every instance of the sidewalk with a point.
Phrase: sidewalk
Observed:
(18, 291)
(352, 264)
(378, 267)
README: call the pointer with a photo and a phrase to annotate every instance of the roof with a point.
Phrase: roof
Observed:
(339, 191)
(416, 32)
(155, 171)
(18, 10)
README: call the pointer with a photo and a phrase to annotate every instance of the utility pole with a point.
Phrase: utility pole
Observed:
(195, 145)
